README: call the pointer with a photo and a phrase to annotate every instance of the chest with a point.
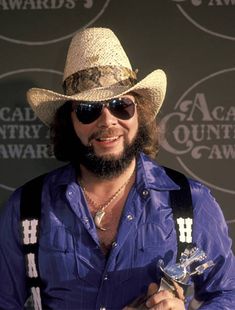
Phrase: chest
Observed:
(108, 225)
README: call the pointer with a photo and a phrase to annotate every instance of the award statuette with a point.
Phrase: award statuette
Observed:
(176, 276)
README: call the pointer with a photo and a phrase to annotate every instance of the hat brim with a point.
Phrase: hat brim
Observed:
(152, 89)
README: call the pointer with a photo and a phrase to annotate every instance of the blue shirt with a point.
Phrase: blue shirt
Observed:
(75, 272)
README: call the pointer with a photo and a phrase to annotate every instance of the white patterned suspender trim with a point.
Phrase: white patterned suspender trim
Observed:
(30, 234)
(185, 229)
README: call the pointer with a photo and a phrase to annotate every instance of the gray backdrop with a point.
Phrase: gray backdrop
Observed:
(192, 40)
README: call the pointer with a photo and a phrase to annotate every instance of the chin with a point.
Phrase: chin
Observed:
(113, 153)
(110, 155)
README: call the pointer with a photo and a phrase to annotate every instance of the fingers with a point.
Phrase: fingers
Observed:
(163, 300)
(158, 298)
(179, 291)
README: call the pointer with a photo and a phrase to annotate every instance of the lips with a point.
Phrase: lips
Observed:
(107, 139)
(103, 135)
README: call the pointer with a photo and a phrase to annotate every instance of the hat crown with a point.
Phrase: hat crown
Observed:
(98, 69)
(94, 47)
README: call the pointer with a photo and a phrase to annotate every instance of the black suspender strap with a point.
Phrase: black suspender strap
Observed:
(181, 204)
(30, 214)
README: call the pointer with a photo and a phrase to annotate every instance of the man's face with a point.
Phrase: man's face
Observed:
(107, 135)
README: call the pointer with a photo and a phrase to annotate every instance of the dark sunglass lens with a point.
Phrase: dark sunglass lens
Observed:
(122, 108)
(88, 112)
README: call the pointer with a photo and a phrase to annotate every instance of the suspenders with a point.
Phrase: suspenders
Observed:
(30, 209)
(182, 209)
(30, 214)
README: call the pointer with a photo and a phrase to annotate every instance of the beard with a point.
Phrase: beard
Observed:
(109, 166)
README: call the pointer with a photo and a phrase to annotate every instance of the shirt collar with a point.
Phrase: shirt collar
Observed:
(64, 175)
(153, 175)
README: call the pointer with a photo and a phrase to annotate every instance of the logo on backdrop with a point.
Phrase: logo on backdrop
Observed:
(23, 138)
(215, 17)
(200, 131)
(46, 19)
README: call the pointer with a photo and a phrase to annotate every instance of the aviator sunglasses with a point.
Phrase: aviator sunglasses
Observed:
(87, 111)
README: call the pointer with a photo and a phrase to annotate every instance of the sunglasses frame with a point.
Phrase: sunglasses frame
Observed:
(105, 104)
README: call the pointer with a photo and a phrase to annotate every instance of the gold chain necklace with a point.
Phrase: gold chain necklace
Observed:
(101, 207)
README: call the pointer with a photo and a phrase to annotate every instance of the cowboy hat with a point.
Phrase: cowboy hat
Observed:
(98, 69)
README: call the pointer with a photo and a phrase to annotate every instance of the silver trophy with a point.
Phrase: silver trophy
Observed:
(176, 277)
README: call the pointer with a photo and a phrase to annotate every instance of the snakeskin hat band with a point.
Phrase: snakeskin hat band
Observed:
(98, 69)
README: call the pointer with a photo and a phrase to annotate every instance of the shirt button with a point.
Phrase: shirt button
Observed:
(85, 220)
(145, 192)
(114, 244)
(102, 308)
(70, 193)
(106, 277)
(129, 217)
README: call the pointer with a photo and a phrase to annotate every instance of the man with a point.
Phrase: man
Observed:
(106, 219)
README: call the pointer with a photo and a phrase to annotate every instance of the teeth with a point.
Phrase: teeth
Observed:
(108, 139)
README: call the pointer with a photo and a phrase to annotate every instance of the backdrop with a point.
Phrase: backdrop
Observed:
(192, 40)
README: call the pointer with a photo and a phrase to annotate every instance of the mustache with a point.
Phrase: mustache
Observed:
(104, 133)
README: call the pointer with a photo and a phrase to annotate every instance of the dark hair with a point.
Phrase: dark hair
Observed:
(64, 138)
(151, 147)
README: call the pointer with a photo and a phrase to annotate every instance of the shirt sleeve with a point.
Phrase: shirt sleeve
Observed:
(216, 287)
(13, 290)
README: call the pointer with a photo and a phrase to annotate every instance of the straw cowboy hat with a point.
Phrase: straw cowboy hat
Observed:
(98, 69)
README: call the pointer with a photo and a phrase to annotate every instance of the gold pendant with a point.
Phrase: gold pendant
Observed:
(98, 218)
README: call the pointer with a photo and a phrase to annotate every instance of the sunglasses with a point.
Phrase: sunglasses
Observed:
(87, 112)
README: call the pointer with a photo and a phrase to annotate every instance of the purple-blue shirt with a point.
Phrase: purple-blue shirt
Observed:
(77, 275)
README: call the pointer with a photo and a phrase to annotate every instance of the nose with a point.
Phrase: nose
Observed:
(106, 119)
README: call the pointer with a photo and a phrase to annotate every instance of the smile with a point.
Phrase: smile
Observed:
(107, 139)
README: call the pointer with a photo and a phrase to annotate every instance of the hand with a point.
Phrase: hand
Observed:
(163, 300)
